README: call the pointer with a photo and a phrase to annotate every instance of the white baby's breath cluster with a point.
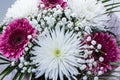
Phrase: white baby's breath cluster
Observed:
(88, 62)
(58, 17)
(24, 66)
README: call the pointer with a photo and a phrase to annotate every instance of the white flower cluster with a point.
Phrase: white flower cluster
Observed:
(58, 17)
(89, 61)
(24, 66)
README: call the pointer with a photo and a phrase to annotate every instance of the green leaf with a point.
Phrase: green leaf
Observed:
(16, 75)
(113, 7)
(4, 63)
(30, 77)
(115, 63)
(106, 76)
(118, 42)
(113, 71)
(112, 4)
(6, 72)
(21, 77)
(112, 11)
(4, 59)
(104, 1)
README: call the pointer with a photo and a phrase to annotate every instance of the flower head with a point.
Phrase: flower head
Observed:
(15, 38)
(91, 10)
(54, 3)
(105, 50)
(22, 8)
(57, 54)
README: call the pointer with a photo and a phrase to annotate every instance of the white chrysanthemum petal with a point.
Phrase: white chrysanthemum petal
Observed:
(57, 54)
(92, 10)
(22, 8)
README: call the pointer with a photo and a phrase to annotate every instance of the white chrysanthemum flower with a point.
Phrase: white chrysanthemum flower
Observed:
(92, 10)
(57, 54)
(22, 8)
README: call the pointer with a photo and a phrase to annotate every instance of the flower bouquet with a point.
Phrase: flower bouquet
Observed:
(59, 40)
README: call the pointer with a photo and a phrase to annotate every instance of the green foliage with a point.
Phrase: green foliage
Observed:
(111, 5)
(4, 59)
(30, 77)
(16, 75)
(6, 72)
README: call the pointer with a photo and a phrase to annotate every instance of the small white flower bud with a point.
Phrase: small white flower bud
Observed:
(4, 27)
(93, 42)
(44, 11)
(64, 19)
(96, 78)
(95, 64)
(91, 60)
(100, 73)
(26, 63)
(22, 59)
(85, 78)
(88, 38)
(24, 68)
(99, 46)
(101, 59)
(58, 6)
(22, 71)
(101, 68)
(26, 48)
(13, 63)
(3, 30)
(90, 65)
(76, 28)
(89, 72)
(20, 65)
(33, 70)
(30, 45)
(96, 50)
(91, 46)
(42, 5)
(29, 36)
(29, 70)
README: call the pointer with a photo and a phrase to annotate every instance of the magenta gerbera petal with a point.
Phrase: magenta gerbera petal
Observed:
(54, 3)
(104, 52)
(15, 38)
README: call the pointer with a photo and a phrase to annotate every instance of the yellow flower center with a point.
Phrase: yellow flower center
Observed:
(57, 53)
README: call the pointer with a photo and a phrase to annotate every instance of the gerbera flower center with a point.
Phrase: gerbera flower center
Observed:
(16, 38)
(57, 53)
(52, 1)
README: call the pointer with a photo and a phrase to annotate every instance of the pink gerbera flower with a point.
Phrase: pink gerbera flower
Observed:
(15, 38)
(104, 52)
(54, 3)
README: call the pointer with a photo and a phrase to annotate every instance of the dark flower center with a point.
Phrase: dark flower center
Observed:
(17, 38)
(52, 1)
